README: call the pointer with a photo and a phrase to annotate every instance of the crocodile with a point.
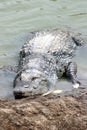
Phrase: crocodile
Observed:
(44, 58)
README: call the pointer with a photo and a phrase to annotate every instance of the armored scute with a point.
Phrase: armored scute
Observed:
(44, 58)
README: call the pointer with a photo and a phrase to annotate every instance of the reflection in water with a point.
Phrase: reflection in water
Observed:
(6, 83)
(19, 17)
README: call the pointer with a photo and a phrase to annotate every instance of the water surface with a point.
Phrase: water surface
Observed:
(19, 17)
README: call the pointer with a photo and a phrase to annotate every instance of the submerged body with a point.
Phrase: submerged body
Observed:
(44, 58)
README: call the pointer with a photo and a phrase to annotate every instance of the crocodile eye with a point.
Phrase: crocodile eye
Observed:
(26, 86)
(43, 82)
(34, 87)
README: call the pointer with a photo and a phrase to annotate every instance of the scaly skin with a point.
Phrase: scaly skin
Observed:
(44, 58)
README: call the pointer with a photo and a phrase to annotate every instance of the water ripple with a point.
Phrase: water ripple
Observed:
(78, 14)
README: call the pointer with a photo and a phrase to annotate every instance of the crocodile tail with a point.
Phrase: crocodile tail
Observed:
(79, 41)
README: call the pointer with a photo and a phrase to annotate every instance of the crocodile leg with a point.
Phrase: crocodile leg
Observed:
(79, 41)
(71, 73)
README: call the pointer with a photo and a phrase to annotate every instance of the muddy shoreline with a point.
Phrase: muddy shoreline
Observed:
(53, 112)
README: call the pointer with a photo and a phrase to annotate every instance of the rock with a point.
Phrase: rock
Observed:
(44, 113)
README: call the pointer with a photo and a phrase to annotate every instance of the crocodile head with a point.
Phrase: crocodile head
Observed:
(29, 83)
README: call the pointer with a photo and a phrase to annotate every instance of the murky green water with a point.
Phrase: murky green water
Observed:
(18, 17)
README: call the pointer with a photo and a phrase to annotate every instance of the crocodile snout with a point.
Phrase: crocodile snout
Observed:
(35, 88)
(21, 92)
